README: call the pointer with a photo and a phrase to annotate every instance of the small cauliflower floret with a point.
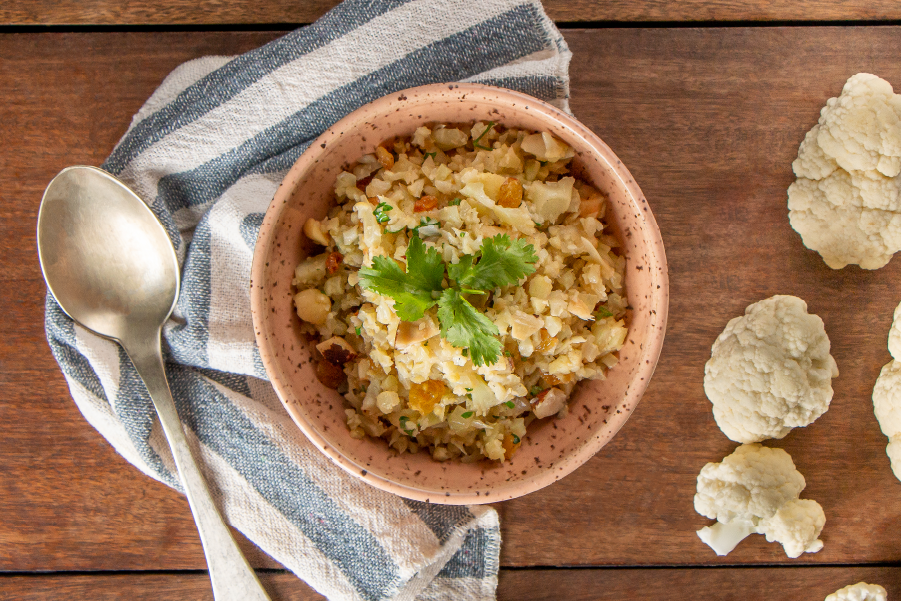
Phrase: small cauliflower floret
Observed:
(550, 199)
(833, 218)
(894, 335)
(546, 147)
(862, 127)
(796, 526)
(313, 230)
(549, 402)
(887, 407)
(770, 371)
(750, 484)
(846, 202)
(756, 489)
(312, 306)
(859, 592)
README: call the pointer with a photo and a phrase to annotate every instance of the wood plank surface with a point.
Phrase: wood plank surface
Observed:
(214, 12)
(514, 585)
(707, 119)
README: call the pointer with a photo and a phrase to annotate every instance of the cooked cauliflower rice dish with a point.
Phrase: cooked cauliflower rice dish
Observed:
(463, 284)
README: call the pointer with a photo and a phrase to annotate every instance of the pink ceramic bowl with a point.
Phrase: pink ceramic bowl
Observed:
(553, 447)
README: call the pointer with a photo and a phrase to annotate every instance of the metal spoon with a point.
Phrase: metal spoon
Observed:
(109, 263)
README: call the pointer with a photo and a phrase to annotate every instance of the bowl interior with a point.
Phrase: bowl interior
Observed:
(553, 447)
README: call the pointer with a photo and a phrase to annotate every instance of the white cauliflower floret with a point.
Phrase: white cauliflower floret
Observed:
(894, 335)
(770, 371)
(861, 128)
(796, 526)
(750, 484)
(887, 396)
(859, 592)
(756, 489)
(846, 202)
(887, 407)
(835, 219)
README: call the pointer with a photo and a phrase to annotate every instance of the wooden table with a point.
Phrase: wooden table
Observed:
(705, 102)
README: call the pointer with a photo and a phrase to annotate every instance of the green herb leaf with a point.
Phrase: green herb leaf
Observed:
(359, 330)
(429, 154)
(535, 390)
(463, 326)
(475, 142)
(510, 404)
(602, 312)
(466, 415)
(502, 262)
(515, 439)
(412, 291)
(455, 202)
(381, 212)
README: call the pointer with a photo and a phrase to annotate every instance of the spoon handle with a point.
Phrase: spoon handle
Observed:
(232, 577)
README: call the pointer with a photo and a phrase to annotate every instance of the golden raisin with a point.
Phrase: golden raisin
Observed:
(547, 343)
(426, 203)
(424, 397)
(384, 157)
(510, 447)
(553, 380)
(333, 262)
(510, 193)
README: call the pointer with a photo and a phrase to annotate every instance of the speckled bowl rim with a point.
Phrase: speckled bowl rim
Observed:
(650, 348)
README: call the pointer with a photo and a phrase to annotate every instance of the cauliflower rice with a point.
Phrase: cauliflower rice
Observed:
(455, 187)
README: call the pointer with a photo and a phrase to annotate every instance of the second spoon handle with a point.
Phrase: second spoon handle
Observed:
(232, 577)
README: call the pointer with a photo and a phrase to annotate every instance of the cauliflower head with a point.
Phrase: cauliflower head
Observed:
(859, 592)
(887, 407)
(770, 371)
(796, 526)
(846, 202)
(756, 490)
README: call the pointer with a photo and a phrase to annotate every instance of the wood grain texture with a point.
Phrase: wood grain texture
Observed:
(708, 121)
(215, 12)
(514, 585)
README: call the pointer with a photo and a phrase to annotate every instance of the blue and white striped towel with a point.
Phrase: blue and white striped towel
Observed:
(207, 152)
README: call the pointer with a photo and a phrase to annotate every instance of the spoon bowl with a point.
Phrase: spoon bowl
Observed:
(111, 267)
(106, 257)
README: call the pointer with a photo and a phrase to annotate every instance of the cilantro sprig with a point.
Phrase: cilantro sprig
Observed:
(499, 262)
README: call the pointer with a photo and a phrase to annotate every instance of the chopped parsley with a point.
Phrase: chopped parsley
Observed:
(515, 439)
(535, 390)
(510, 404)
(466, 415)
(603, 312)
(359, 330)
(455, 202)
(468, 389)
(381, 212)
(499, 262)
(475, 142)
(430, 154)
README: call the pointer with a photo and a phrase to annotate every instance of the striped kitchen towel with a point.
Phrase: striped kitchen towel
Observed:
(207, 152)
